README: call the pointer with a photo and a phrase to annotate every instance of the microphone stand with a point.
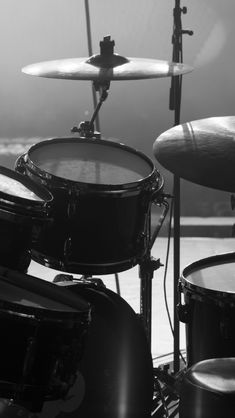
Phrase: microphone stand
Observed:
(175, 104)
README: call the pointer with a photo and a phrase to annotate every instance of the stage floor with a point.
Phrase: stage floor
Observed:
(191, 249)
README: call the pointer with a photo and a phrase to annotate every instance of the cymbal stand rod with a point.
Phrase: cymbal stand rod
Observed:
(147, 266)
(103, 89)
(175, 104)
(160, 222)
(86, 128)
(89, 41)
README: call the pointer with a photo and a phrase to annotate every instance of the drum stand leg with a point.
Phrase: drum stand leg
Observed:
(146, 268)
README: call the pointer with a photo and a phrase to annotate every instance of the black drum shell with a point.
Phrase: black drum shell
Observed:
(97, 229)
(43, 330)
(21, 217)
(116, 365)
(209, 319)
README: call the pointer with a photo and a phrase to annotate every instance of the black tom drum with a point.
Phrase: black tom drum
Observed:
(102, 193)
(208, 286)
(43, 331)
(24, 210)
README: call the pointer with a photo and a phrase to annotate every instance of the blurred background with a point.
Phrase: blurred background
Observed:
(136, 112)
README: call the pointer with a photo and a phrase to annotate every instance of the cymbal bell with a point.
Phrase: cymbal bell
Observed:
(201, 151)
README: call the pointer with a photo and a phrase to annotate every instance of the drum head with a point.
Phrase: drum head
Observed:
(25, 294)
(213, 276)
(91, 161)
(24, 298)
(21, 198)
(15, 186)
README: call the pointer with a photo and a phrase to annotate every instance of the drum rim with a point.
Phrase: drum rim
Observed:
(224, 258)
(43, 288)
(152, 177)
(12, 203)
(74, 267)
(40, 314)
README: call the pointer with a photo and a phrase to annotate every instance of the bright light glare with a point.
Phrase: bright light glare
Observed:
(212, 45)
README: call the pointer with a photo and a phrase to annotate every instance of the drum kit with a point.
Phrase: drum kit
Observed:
(82, 205)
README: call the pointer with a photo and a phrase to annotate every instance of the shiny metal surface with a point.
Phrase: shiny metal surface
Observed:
(97, 69)
(201, 151)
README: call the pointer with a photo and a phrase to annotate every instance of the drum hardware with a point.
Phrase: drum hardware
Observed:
(167, 388)
(147, 267)
(175, 105)
(232, 201)
(184, 312)
(89, 281)
(90, 53)
(86, 128)
(11, 410)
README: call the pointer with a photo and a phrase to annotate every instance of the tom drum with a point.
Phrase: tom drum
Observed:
(208, 286)
(103, 193)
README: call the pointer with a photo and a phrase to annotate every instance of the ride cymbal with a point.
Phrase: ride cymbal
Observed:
(201, 151)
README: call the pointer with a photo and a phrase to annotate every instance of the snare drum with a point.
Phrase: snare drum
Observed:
(24, 208)
(42, 339)
(102, 193)
(208, 286)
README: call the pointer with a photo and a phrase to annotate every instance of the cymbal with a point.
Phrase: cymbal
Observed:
(97, 68)
(201, 151)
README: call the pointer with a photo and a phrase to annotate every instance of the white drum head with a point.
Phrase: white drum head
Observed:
(91, 162)
(217, 275)
(24, 297)
(14, 187)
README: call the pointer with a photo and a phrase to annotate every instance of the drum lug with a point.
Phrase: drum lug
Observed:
(27, 368)
(72, 205)
(157, 194)
(183, 313)
(67, 248)
(71, 209)
(20, 164)
(141, 240)
(225, 327)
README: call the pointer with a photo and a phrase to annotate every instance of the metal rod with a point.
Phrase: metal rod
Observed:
(176, 85)
(89, 41)
(146, 276)
(175, 104)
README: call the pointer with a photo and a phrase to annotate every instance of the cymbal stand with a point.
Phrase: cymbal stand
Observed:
(110, 60)
(147, 266)
(175, 104)
(86, 128)
(89, 42)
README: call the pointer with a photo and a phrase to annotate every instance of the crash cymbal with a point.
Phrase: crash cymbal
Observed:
(86, 69)
(106, 66)
(202, 151)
